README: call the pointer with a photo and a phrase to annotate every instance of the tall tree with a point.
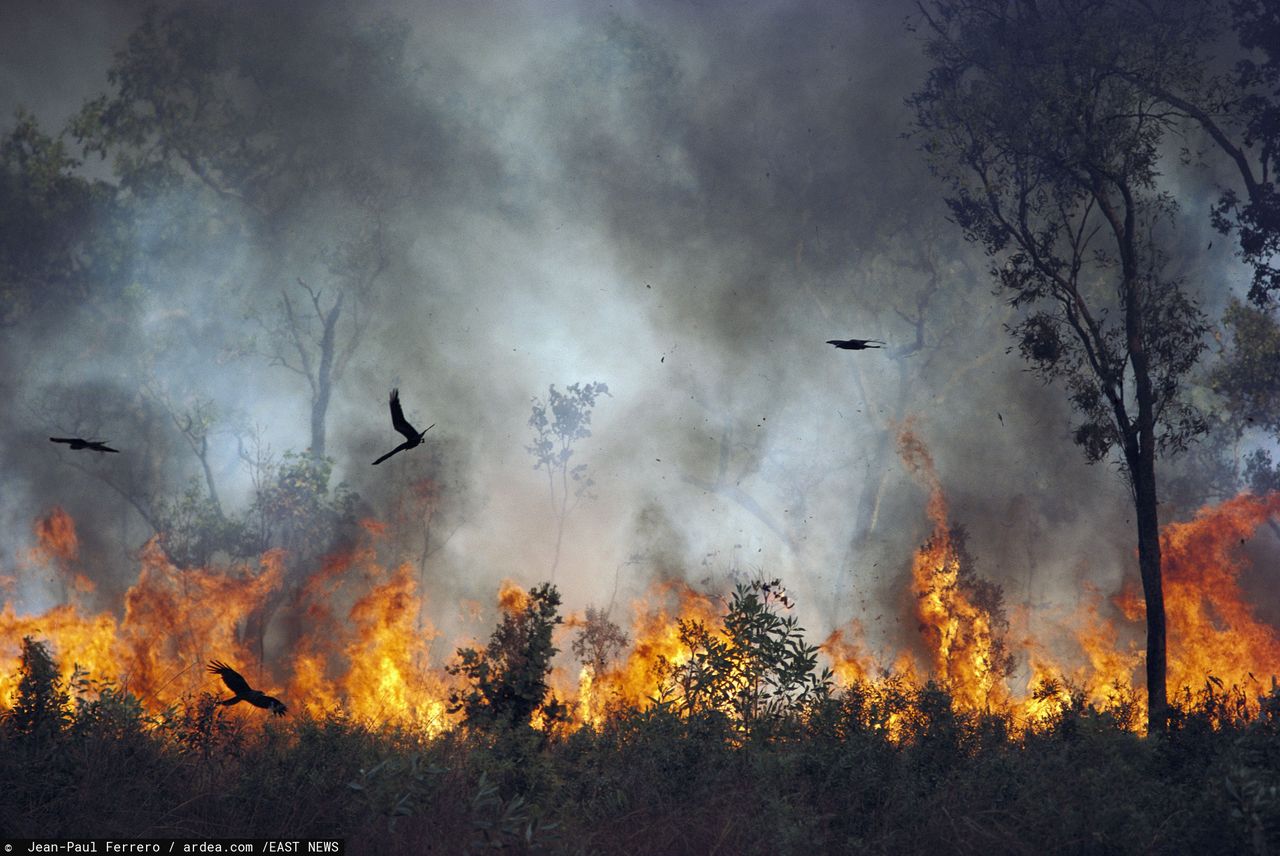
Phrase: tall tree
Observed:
(291, 132)
(1053, 166)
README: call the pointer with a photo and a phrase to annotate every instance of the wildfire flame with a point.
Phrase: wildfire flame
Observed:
(355, 638)
(1212, 629)
(966, 655)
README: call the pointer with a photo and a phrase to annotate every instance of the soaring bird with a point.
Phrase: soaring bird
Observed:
(412, 436)
(243, 692)
(77, 443)
(855, 344)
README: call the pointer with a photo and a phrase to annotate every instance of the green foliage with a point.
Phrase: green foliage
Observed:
(1249, 378)
(293, 508)
(255, 109)
(106, 710)
(297, 510)
(41, 707)
(1255, 101)
(499, 823)
(193, 528)
(755, 667)
(55, 227)
(1244, 395)
(507, 681)
(1053, 165)
(396, 786)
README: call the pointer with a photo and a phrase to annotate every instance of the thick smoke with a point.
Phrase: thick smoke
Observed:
(680, 200)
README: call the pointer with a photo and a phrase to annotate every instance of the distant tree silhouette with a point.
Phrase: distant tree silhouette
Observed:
(558, 423)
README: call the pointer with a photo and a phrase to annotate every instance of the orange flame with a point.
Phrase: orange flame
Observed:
(57, 544)
(1212, 629)
(959, 633)
(363, 647)
(656, 631)
(848, 654)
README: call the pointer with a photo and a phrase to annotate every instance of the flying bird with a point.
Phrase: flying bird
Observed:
(855, 344)
(77, 443)
(243, 692)
(413, 437)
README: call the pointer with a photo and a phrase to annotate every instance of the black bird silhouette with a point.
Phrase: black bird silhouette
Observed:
(855, 344)
(77, 443)
(413, 437)
(243, 692)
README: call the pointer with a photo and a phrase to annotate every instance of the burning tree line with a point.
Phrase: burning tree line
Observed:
(483, 746)
(360, 644)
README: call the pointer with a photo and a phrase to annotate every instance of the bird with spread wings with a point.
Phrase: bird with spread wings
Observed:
(855, 344)
(243, 692)
(78, 443)
(412, 436)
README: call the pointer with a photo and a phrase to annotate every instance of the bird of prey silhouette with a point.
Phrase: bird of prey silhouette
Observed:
(243, 692)
(855, 344)
(77, 443)
(412, 436)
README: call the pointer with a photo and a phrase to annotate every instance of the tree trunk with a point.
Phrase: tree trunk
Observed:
(324, 374)
(1140, 448)
(318, 409)
(1144, 500)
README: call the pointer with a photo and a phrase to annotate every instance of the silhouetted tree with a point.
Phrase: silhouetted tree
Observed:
(599, 641)
(507, 680)
(554, 437)
(1236, 105)
(208, 119)
(307, 341)
(755, 667)
(41, 705)
(1247, 421)
(1052, 163)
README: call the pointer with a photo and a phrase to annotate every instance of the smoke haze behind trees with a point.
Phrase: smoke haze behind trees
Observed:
(683, 202)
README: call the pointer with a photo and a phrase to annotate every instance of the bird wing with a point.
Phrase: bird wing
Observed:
(855, 344)
(399, 448)
(64, 440)
(233, 679)
(397, 417)
(101, 446)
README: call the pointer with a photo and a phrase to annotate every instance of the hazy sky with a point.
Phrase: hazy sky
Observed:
(681, 200)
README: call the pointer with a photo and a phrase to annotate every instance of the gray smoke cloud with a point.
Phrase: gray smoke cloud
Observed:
(680, 200)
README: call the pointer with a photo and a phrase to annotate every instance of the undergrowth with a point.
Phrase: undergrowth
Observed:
(86, 760)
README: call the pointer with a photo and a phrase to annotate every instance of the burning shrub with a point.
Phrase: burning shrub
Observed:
(508, 679)
(40, 708)
(962, 617)
(754, 668)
